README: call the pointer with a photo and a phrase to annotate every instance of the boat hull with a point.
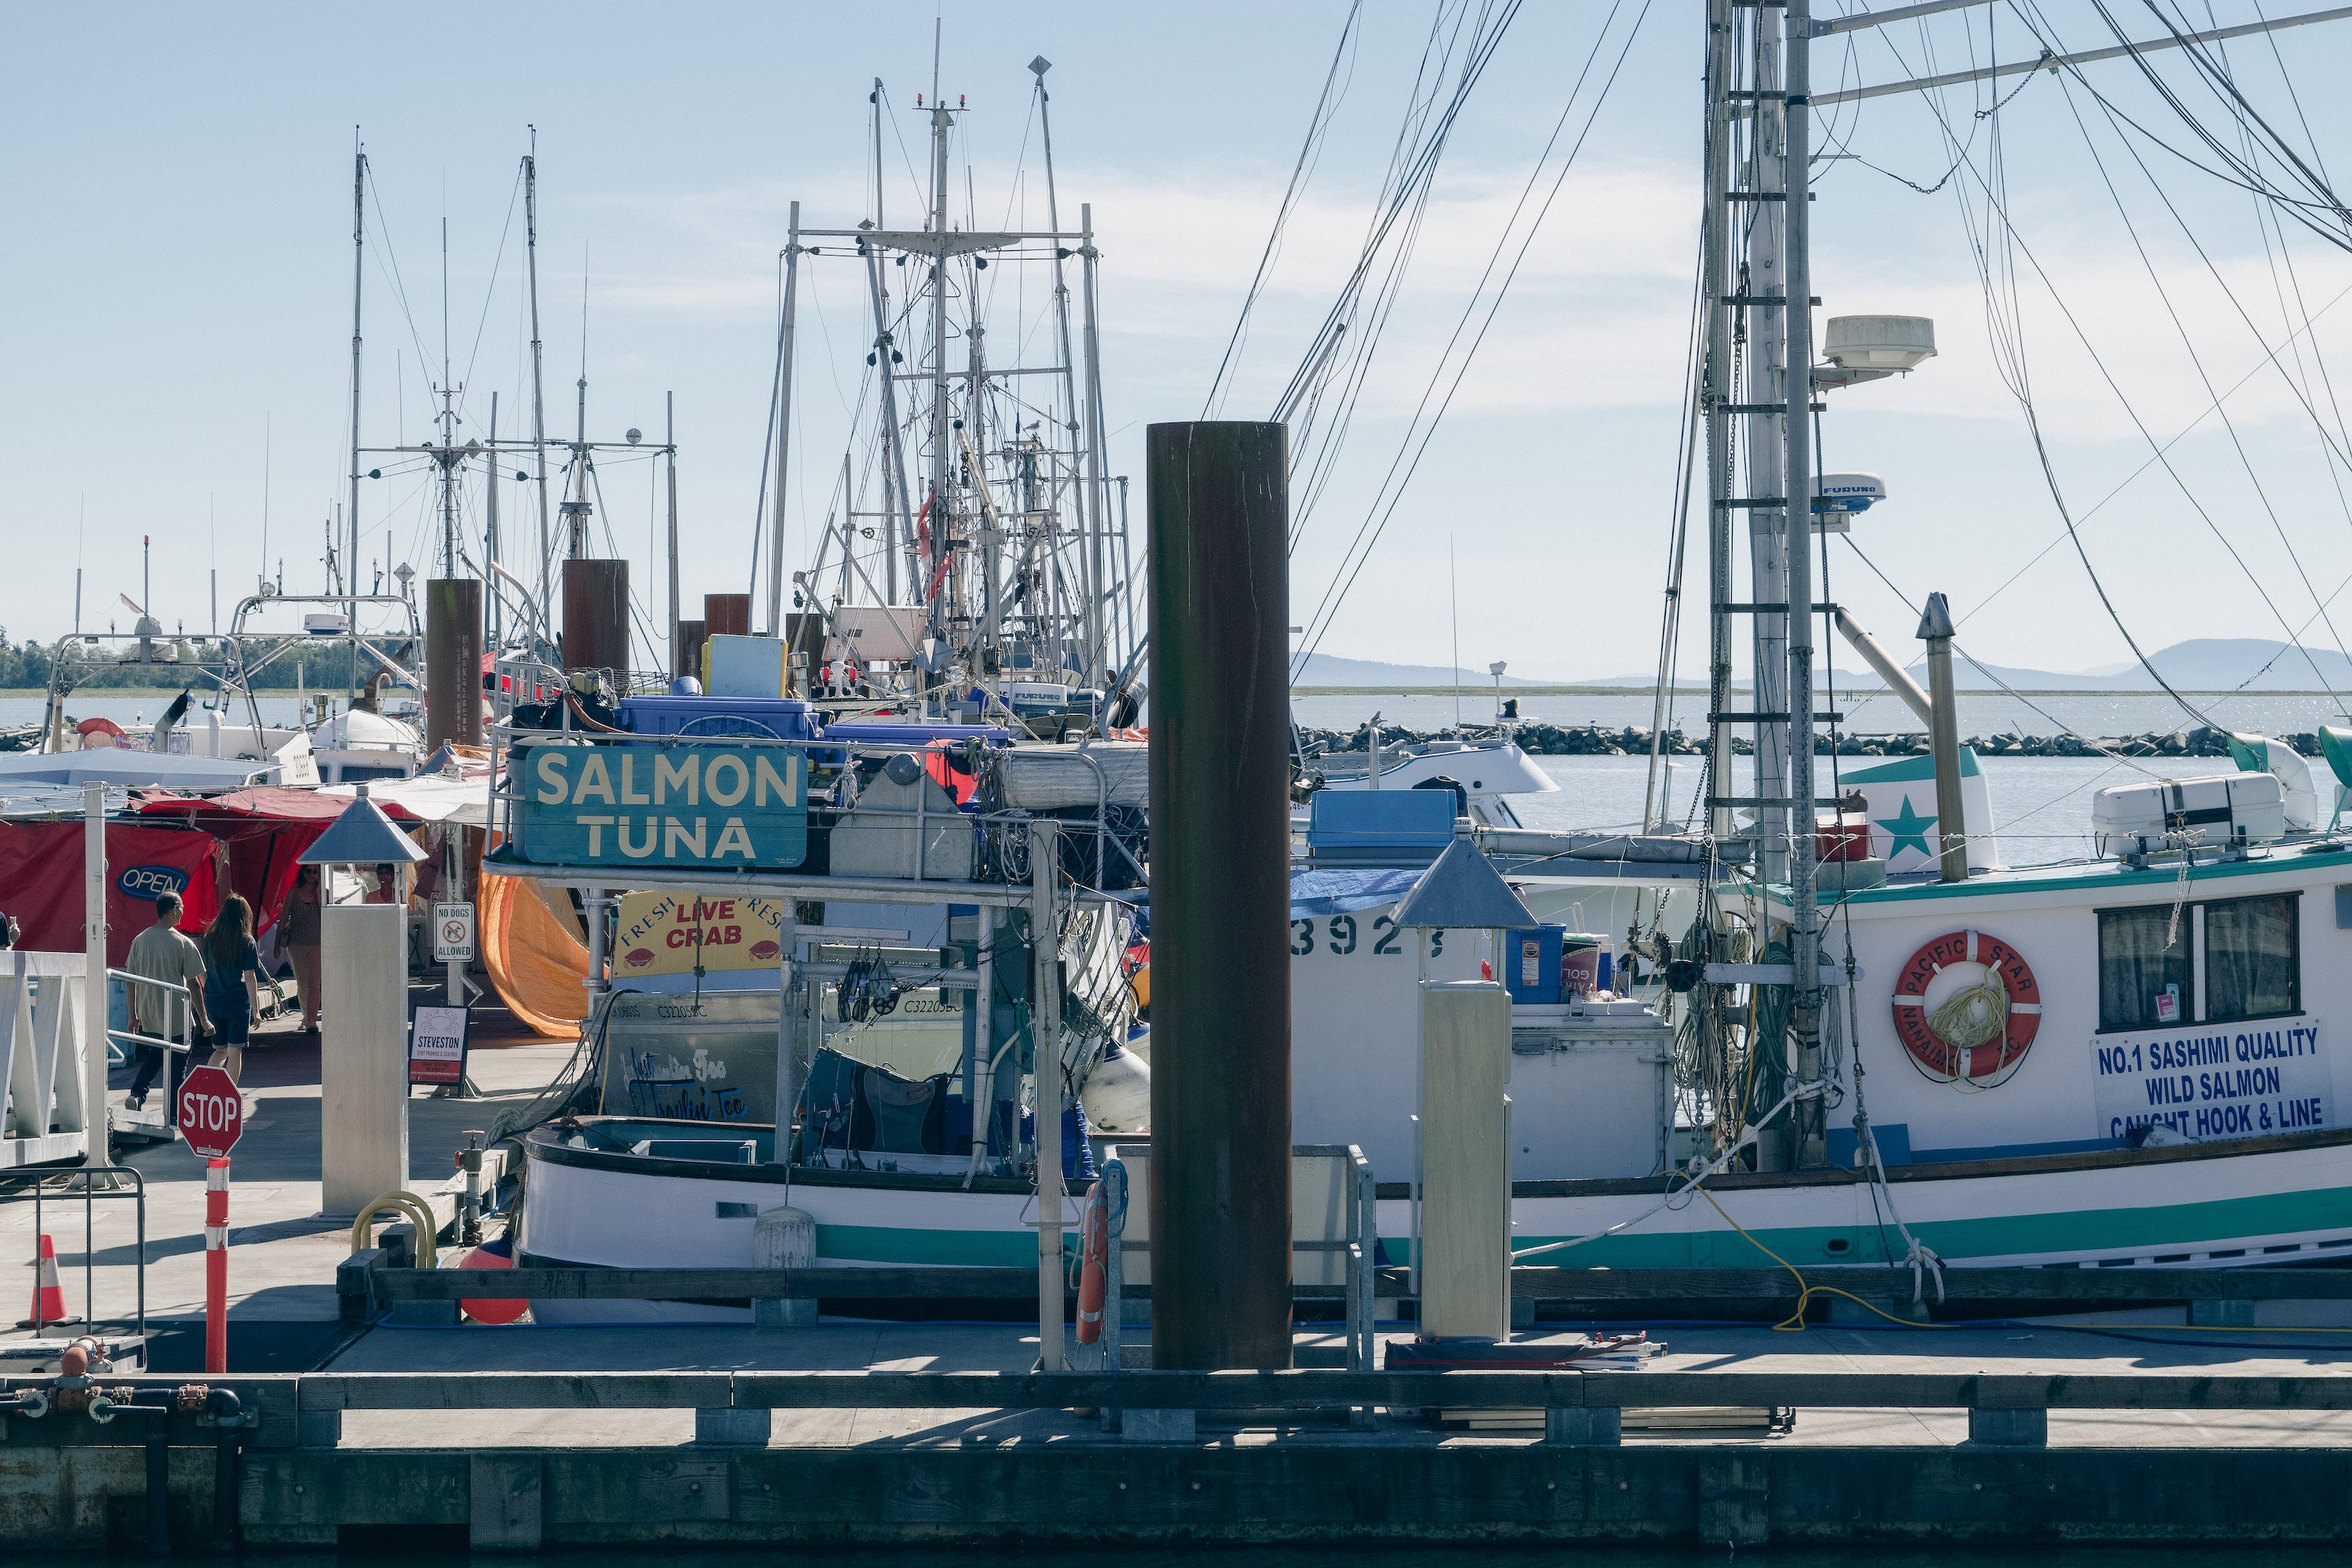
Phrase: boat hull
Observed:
(2263, 1201)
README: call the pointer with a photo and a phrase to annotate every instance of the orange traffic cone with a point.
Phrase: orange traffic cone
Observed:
(48, 1296)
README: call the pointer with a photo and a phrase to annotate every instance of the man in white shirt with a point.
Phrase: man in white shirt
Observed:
(173, 961)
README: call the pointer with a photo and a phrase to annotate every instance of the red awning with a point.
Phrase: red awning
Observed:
(273, 802)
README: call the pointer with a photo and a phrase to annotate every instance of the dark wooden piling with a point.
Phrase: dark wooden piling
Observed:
(453, 661)
(596, 615)
(1220, 896)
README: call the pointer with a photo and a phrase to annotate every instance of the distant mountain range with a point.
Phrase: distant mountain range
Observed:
(2201, 664)
(1328, 670)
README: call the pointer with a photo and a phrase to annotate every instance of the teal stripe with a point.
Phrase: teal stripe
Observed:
(2085, 1233)
(966, 1249)
(2098, 881)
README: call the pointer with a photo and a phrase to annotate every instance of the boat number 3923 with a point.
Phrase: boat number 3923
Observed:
(1344, 934)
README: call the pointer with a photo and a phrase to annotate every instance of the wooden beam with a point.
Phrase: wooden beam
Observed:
(1247, 1390)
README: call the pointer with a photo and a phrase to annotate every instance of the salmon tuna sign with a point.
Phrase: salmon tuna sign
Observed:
(638, 805)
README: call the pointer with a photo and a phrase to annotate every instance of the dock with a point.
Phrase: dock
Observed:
(528, 1436)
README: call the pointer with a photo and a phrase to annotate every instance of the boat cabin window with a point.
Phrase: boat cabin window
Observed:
(2144, 976)
(2252, 966)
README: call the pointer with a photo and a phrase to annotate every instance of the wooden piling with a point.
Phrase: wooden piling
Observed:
(1220, 896)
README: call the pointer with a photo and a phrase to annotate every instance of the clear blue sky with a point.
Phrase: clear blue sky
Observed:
(176, 273)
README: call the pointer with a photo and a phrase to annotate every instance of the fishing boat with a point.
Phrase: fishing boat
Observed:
(1829, 1028)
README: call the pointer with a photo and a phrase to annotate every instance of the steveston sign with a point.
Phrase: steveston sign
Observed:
(688, 805)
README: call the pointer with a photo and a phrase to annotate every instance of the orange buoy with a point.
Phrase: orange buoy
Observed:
(1093, 1273)
(494, 1311)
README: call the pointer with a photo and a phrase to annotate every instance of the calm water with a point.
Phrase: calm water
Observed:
(2102, 715)
(2041, 805)
(138, 708)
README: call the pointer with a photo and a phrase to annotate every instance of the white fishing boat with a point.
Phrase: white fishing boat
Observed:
(1829, 1031)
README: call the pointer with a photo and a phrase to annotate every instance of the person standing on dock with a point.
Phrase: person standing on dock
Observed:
(301, 918)
(160, 954)
(233, 983)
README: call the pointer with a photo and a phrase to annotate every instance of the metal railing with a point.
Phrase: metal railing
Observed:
(121, 1182)
(173, 1000)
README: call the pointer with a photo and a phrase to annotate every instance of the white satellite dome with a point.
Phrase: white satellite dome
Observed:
(358, 729)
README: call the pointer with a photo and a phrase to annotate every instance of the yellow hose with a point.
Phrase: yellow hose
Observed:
(409, 1207)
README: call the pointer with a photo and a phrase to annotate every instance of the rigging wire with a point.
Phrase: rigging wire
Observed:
(1394, 485)
(1326, 105)
(2196, 362)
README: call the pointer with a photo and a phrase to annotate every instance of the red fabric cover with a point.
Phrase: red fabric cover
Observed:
(265, 830)
(40, 865)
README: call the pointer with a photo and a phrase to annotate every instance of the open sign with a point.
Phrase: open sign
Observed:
(151, 882)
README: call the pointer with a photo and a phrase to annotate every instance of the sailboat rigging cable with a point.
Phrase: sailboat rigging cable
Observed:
(1326, 105)
(1410, 452)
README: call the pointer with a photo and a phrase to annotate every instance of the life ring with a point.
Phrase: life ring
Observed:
(1978, 1035)
(1093, 1276)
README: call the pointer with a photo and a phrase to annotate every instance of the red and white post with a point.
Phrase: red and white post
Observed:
(216, 1265)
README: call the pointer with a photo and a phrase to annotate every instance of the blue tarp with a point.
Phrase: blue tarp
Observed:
(1340, 893)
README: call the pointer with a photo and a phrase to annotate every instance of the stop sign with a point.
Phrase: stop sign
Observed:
(212, 1112)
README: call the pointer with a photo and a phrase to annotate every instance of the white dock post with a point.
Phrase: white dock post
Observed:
(1465, 1159)
(94, 1016)
(362, 1055)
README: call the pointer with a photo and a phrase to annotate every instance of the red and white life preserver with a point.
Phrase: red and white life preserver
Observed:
(2004, 966)
(1093, 1283)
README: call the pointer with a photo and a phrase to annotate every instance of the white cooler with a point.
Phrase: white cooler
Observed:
(2132, 819)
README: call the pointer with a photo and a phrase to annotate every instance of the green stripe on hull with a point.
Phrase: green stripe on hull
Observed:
(963, 1249)
(2087, 1233)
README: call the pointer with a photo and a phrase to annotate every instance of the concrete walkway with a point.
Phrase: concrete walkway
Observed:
(282, 1254)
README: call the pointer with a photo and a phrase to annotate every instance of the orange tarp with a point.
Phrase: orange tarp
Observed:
(536, 961)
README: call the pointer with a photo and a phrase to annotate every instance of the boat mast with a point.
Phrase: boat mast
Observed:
(897, 522)
(1095, 590)
(783, 427)
(491, 546)
(538, 392)
(670, 465)
(1084, 465)
(1715, 235)
(448, 426)
(359, 259)
(1763, 199)
(937, 501)
(1804, 1021)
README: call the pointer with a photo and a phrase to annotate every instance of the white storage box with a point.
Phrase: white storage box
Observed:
(878, 838)
(1593, 1090)
(2134, 819)
(1052, 778)
(744, 666)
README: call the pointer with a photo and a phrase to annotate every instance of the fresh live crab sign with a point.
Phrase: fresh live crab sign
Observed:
(660, 934)
(697, 806)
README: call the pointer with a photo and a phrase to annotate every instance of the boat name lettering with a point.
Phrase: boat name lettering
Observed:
(2214, 1082)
